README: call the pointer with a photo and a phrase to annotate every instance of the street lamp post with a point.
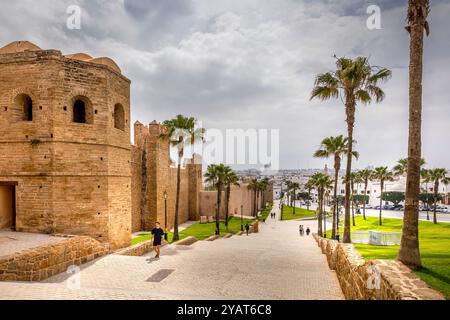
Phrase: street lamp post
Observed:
(165, 216)
(242, 218)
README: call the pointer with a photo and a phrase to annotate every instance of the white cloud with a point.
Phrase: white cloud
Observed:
(252, 64)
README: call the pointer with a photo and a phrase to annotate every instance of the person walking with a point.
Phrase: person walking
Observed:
(308, 231)
(247, 228)
(157, 234)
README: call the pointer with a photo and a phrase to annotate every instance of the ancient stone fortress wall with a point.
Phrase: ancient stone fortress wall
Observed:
(65, 143)
(42, 262)
(373, 279)
(153, 174)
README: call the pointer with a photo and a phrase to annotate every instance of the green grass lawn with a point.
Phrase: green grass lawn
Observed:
(265, 213)
(200, 231)
(434, 241)
(300, 213)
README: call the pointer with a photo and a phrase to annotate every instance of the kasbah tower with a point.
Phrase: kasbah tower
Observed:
(65, 143)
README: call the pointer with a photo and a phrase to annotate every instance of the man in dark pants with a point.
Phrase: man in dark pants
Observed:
(157, 233)
(247, 228)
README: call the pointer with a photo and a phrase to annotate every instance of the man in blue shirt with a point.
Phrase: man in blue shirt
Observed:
(157, 233)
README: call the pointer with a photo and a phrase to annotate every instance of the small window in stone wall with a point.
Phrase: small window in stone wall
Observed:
(25, 105)
(119, 117)
(82, 111)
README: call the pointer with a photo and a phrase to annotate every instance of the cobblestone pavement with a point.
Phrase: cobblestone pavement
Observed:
(274, 264)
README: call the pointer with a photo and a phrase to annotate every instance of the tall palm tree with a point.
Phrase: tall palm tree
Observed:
(382, 174)
(336, 147)
(264, 185)
(216, 175)
(365, 175)
(180, 131)
(294, 187)
(230, 179)
(253, 186)
(308, 186)
(437, 176)
(409, 253)
(425, 175)
(356, 179)
(354, 81)
(321, 182)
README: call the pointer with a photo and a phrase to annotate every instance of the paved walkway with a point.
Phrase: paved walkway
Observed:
(274, 264)
(11, 242)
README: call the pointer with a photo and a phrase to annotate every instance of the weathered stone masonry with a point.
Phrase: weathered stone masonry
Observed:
(373, 279)
(153, 174)
(65, 143)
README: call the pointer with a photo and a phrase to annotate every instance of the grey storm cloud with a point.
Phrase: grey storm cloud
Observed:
(251, 64)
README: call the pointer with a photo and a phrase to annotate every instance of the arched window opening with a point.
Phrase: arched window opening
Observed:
(79, 111)
(25, 105)
(119, 117)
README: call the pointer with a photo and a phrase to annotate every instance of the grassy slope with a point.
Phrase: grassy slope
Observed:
(434, 247)
(300, 213)
(201, 231)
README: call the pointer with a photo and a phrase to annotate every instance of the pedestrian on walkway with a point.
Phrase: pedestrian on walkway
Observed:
(308, 231)
(157, 234)
(247, 228)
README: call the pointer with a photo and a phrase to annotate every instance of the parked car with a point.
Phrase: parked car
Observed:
(398, 207)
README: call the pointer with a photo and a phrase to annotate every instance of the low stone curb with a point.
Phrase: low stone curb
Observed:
(212, 238)
(228, 235)
(186, 241)
(373, 279)
(138, 249)
(240, 233)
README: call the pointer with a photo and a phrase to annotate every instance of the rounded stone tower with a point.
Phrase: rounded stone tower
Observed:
(64, 144)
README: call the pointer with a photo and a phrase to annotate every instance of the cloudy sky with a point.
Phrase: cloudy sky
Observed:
(251, 64)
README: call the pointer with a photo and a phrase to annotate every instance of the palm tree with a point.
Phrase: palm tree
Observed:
(365, 175)
(253, 186)
(356, 179)
(180, 131)
(382, 174)
(355, 81)
(425, 175)
(336, 147)
(409, 253)
(230, 179)
(216, 175)
(321, 182)
(264, 184)
(402, 166)
(437, 176)
(294, 187)
(309, 186)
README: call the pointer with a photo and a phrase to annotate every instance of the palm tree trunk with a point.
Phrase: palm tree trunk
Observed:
(337, 166)
(254, 204)
(350, 111)
(436, 188)
(324, 218)
(293, 208)
(219, 200)
(353, 204)
(409, 252)
(380, 221)
(319, 216)
(364, 200)
(227, 204)
(176, 236)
